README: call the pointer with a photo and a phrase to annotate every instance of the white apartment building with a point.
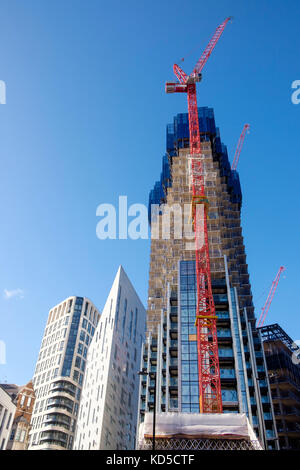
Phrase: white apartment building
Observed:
(59, 373)
(7, 412)
(109, 403)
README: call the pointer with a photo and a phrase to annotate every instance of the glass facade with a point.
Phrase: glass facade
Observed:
(69, 354)
(188, 345)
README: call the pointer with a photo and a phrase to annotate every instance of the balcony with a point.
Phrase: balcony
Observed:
(259, 354)
(173, 382)
(220, 299)
(227, 373)
(263, 383)
(223, 333)
(222, 315)
(63, 403)
(60, 424)
(57, 419)
(229, 396)
(54, 437)
(288, 414)
(218, 282)
(225, 353)
(270, 434)
(173, 362)
(291, 431)
(286, 397)
(173, 403)
(63, 386)
(286, 381)
(255, 420)
(256, 341)
(265, 399)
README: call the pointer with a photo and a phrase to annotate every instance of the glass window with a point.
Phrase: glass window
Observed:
(124, 320)
(77, 362)
(86, 309)
(82, 335)
(75, 375)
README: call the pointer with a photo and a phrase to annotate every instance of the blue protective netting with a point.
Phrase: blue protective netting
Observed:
(178, 137)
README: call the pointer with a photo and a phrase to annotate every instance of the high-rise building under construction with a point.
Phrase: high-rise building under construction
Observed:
(169, 357)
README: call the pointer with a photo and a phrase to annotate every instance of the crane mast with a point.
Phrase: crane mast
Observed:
(210, 397)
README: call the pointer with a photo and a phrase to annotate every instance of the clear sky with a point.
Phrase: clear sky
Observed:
(84, 122)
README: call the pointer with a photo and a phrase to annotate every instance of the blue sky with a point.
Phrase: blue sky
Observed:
(85, 122)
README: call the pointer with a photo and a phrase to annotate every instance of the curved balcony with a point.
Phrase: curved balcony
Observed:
(62, 394)
(60, 409)
(63, 386)
(58, 419)
(60, 402)
(57, 426)
(54, 437)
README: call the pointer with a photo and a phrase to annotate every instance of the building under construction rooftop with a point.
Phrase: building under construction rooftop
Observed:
(169, 356)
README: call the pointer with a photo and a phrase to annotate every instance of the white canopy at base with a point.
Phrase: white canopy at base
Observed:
(197, 425)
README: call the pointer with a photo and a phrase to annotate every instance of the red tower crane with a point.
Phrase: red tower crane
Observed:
(266, 307)
(210, 397)
(239, 147)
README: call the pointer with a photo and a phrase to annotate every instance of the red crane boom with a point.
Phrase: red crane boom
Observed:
(210, 397)
(266, 307)
(239, 147)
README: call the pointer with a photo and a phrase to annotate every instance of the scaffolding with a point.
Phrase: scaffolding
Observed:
(200, 444)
